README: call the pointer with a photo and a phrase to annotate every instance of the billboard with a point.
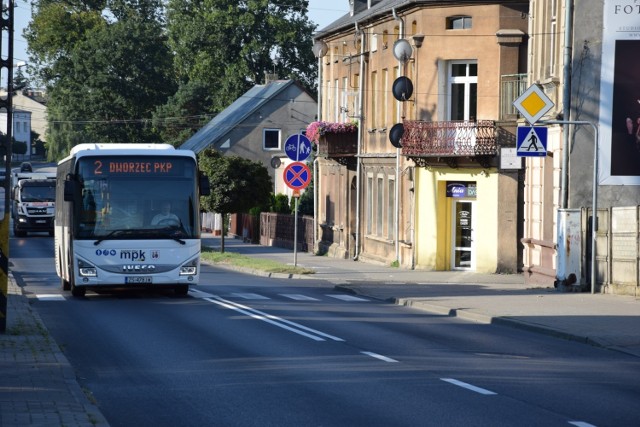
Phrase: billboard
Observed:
(619, 156)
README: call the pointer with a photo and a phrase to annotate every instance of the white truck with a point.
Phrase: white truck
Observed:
(33, 203)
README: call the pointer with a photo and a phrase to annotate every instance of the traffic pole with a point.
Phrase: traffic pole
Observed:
(295, 232)
(6, 33)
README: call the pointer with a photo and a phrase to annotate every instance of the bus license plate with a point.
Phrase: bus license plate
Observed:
(137, 279)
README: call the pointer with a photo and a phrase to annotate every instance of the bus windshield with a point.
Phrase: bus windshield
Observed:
(141, 197)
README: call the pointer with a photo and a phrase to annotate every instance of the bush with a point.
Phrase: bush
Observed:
(280, 204)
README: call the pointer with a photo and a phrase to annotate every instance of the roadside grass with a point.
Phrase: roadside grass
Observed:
(243, 261)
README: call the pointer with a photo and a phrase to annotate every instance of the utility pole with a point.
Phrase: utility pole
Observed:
(6, 68)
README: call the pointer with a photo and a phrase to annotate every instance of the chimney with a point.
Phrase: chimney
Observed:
(270, 78)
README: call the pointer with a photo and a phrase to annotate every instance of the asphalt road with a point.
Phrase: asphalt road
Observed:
(243, 350)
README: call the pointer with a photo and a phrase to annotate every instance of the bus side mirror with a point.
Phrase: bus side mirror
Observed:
(205, 188)
(71, 188)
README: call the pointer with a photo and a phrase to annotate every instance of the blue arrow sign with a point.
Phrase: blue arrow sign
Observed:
(297, 147)
(532, 141)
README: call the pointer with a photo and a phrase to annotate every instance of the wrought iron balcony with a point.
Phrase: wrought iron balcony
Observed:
(449, 139)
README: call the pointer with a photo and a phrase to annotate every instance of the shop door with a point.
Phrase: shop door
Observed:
(463, 247)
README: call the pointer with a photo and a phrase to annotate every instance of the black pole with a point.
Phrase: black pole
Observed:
(6, 104)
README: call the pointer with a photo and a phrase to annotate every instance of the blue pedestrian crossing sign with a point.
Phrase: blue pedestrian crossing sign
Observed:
(532, 141)
(297, 147)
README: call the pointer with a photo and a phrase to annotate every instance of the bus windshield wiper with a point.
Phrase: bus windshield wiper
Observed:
(113, 234)
(172, 233)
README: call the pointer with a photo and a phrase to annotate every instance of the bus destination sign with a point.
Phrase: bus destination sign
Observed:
(128, 167)
(114, 166)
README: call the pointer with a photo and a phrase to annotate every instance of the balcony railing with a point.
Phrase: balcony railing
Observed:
(449, 139)
(511, 87)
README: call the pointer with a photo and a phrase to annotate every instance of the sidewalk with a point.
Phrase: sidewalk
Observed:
(610, 321)
(38, 386)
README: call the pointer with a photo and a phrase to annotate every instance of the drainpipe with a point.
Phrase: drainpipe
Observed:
(397, 189)
(315, 161)
(359, 150)
(566, 100)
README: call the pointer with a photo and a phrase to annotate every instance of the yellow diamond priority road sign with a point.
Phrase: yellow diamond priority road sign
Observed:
(533, 104)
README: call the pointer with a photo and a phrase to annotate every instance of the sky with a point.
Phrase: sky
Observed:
(322, 12)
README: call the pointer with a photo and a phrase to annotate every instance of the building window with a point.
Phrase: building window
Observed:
(344, 104)
(459, 22)
(336, 88)
(380, 206)
(327, 107)
(385, 98)
(391, 209)
(396, 74)
(271, 139)
(552, 40)
(374, 99)
(369, 204)
(463, 90)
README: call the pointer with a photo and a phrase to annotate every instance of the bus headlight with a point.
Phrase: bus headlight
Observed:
(86, 270)
(190, 268)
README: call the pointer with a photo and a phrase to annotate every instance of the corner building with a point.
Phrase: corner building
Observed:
(451, 197)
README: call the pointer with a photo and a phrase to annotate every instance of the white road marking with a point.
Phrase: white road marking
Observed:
(344, 297)
(468, 386)
(580, 424)
(50, 297)
(299, 297)
(379, 357)
(274, 320)
(249, 296)
(199, 294)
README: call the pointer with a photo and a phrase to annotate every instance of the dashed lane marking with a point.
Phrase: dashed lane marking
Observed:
(468, 386)
(343, 297)
(379, 357)
(299, 297)
(249, 296)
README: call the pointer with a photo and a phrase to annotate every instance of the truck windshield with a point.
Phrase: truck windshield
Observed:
(38, 193)
(142, 198)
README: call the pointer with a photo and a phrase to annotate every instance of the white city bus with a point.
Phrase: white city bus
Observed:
(106, 200)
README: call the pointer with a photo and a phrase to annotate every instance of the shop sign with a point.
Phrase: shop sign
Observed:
(461, 189)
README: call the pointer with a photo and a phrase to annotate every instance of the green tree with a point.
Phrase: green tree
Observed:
(183, 114)
(19, 147)
(230, 45)
(20, 81)
(37, 143)
(106, 67)
(237, 184)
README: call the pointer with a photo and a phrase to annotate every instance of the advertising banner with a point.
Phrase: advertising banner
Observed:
(620, 94)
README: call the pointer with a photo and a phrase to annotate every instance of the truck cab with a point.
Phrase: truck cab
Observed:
(33, 204)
